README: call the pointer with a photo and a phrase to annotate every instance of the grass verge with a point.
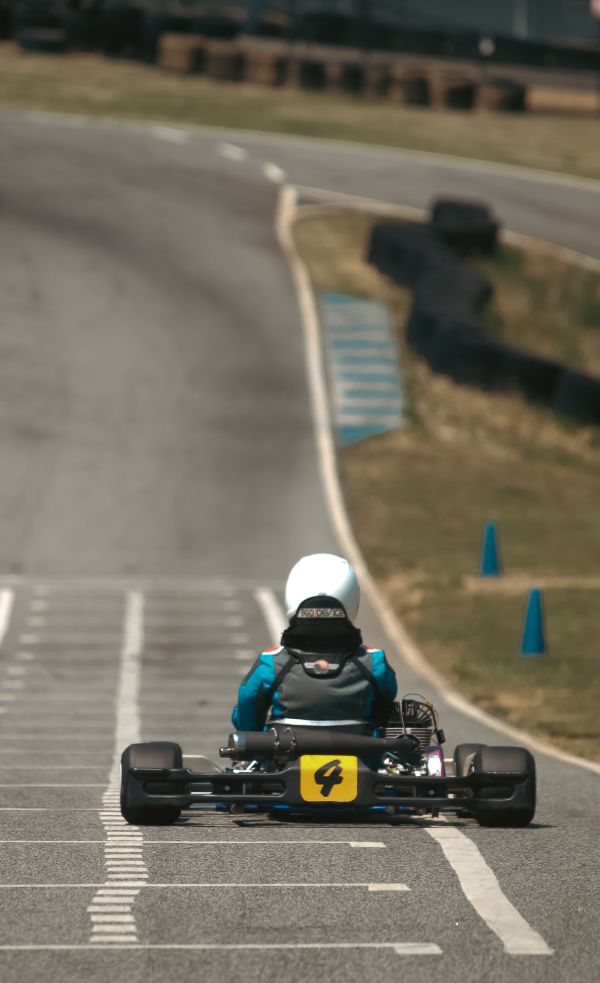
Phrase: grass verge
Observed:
(464, 457)
(93, 85)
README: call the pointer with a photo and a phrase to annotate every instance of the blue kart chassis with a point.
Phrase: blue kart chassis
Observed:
(181, 788)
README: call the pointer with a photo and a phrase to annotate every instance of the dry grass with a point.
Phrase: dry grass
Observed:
(468, 456)
(84, 83)
(545, 304)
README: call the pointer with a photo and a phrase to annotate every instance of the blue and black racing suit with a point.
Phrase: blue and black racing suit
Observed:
(321, 675)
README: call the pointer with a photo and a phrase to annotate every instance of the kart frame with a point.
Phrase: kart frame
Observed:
(182, 788)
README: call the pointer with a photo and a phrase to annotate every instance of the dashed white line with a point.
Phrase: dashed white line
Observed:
(170, 135)
(7, 598)
(271, 611)
(232, 152)
(273, 173)
(108, 928)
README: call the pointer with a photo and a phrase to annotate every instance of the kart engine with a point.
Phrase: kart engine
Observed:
(416, 717)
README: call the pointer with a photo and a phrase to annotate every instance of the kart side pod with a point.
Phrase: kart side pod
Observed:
(283, 744)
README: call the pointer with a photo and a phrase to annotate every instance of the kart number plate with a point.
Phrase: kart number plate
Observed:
(324, 778)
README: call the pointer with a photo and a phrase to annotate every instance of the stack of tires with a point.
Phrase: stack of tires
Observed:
(445, 326)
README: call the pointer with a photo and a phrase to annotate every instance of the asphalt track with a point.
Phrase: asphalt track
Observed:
(159, 476)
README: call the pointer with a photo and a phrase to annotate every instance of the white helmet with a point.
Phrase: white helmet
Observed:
(322, 573)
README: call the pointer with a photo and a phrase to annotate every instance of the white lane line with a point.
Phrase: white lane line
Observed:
(406, 647)
(272, 613)
(7, 599)
(354, 844)
(291, 885)
(232, 152)
(170, 134)
(117, 889)
(115, 909)
(481, 888)
(273, 173)
(244, 656)
(399, 948)
(127, 731)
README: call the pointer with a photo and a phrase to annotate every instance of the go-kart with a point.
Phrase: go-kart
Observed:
(313, 769)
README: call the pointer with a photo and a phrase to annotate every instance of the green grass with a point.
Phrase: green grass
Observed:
(466, 457)
(94, 85)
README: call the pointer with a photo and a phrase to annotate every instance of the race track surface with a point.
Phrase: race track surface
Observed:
(159, 477)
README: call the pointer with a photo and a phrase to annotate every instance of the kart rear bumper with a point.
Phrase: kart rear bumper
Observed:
(182, 788)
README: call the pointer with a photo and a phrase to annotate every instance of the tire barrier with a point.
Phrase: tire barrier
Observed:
(223, 60)
(444, 326)
(49, 40)
(501, 95)
(465, 226)
(452, 89)
(182, 53)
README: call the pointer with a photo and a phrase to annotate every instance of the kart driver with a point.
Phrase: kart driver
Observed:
(322, 675)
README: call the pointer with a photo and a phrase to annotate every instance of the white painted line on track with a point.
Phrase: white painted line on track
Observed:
(7, 598)
(273, 173)
(127, 731)
(481, 888)
(170, 134)
(354, 844)
(232, 152)
(287, 211)
(399, 948)
(109, 894)
(272, 613)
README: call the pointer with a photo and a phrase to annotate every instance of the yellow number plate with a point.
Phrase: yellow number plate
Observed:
(325, 778)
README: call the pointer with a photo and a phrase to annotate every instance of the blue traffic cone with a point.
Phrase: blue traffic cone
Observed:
(490, 565)
(534, 638)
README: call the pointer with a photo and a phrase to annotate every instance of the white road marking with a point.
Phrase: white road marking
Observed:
(127, 731)
(25, 656)
(29, 638)
(232, 152)
(405, 646)
(240, 639)
(481, 888)
(125, 888)
(16, 670)
(399, 948)
(388, 887)
(117, 909)
(355, 844)
(170, 134)
(273, 173)
(272, 613)
(285, 885)
(7, 599)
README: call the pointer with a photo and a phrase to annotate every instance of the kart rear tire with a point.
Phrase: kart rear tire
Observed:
(507, 759)
(464, 755)
(154, 754)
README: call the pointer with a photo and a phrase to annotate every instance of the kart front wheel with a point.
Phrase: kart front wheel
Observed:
(154, 754)
(518, 811)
